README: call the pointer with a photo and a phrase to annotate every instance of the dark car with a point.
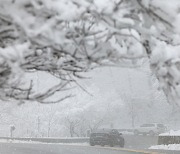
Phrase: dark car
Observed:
(109, 137)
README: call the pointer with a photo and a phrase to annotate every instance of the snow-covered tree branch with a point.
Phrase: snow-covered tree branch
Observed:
(65, 38)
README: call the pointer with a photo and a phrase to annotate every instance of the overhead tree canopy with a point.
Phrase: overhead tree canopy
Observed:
(67, 37)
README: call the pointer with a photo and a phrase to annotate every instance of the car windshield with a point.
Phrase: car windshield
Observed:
(89, 76)
(98, 134)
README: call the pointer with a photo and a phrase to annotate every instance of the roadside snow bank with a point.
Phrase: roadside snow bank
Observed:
(36, 142)
(166, 147)
(171, 133)
(16, 141)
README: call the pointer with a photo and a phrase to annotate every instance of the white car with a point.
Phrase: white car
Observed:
(150, 129)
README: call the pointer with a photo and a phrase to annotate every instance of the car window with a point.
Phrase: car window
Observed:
(97, 134)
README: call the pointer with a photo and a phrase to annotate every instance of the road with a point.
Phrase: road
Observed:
(140, 142)
(132, 142)
(21, 148)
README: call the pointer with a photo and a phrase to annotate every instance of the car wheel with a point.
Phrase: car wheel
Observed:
(136, 132)
(122, 144)
(151, 133)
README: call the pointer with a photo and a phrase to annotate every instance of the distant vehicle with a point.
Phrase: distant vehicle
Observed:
(109, 137)
(150, 129)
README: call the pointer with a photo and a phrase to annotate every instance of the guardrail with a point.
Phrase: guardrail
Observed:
(51, 140)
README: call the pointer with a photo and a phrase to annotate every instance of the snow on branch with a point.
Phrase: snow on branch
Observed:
(68, 37)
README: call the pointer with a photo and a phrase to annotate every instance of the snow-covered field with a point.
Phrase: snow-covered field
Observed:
(166, 147)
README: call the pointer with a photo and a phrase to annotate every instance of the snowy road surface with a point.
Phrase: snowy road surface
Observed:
(20, 148)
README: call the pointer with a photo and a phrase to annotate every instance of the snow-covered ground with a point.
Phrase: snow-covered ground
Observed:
(166, 147)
